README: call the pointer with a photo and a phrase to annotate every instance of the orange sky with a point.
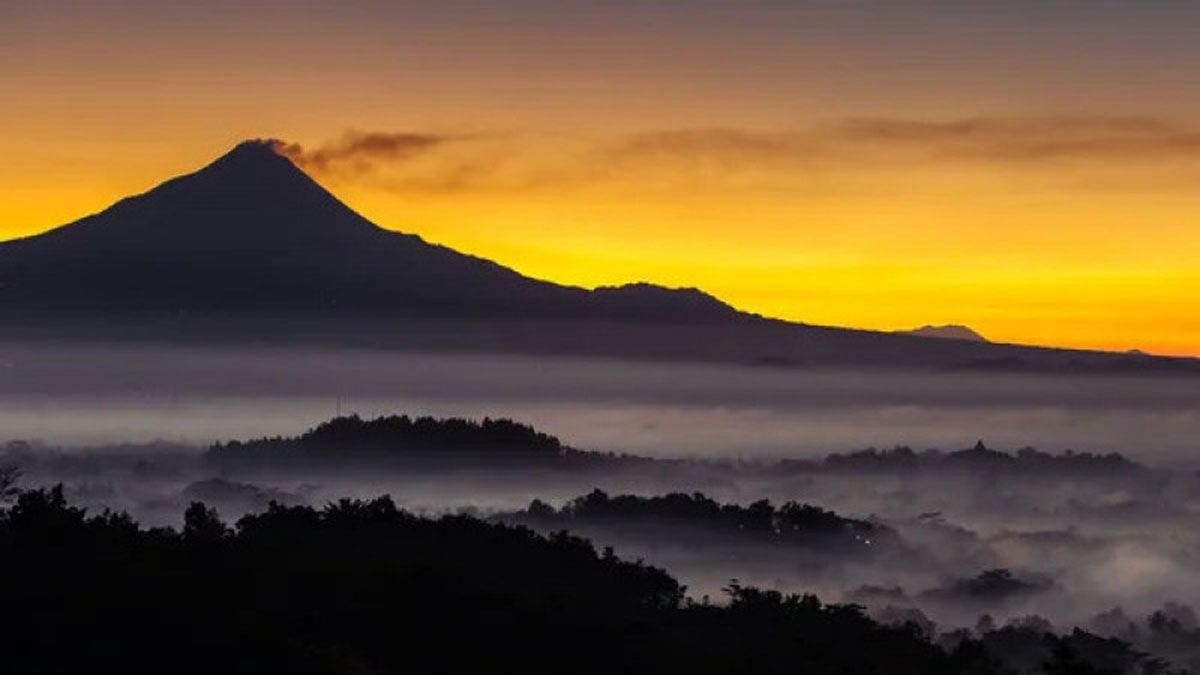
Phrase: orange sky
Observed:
(1026, 169)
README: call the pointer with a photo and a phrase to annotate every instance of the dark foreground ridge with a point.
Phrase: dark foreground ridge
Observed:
(362, 587)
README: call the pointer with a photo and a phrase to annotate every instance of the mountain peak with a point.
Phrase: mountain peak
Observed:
(251, 203)
(261, 156)
(253, 187)
(252, 234)
(948, 331)
(258, 145)
(652, 298)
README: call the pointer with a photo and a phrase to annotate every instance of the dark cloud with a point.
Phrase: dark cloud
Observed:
(1029, 139)
(983, 139)
(1093, 147)
(725, 143)
(359, 151)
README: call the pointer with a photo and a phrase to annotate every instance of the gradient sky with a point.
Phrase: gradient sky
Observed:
(1026, 167)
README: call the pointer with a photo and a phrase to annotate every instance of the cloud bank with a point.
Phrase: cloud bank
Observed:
(360, 151)
(435, 161)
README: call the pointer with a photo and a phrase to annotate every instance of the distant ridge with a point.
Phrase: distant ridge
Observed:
(948, 332)
(251, 250)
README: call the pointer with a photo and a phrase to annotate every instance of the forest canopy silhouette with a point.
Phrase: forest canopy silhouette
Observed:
(754, 540)
(364, 587)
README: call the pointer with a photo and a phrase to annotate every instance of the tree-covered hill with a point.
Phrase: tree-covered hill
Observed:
(695, 518)
(399, 438)
(362, 587)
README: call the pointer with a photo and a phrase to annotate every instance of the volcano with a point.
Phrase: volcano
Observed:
(250, 249)
(253, 235)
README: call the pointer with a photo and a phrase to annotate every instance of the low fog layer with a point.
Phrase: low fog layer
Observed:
(75, 395)
(1103, 543)
(950, 539)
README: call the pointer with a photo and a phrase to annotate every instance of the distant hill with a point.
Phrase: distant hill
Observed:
(698, 520)
(422, 439)
(949, 332)
(251, 250)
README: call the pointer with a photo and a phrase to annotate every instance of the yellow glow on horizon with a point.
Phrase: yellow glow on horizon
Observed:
(878, 266)
(1024, 170)
(1053, 266)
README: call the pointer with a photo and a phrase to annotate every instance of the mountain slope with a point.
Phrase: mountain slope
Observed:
(251, 234)
(249, 249)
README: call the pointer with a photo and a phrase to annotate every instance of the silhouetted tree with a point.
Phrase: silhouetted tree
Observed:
(364, 587)
(202, 523)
